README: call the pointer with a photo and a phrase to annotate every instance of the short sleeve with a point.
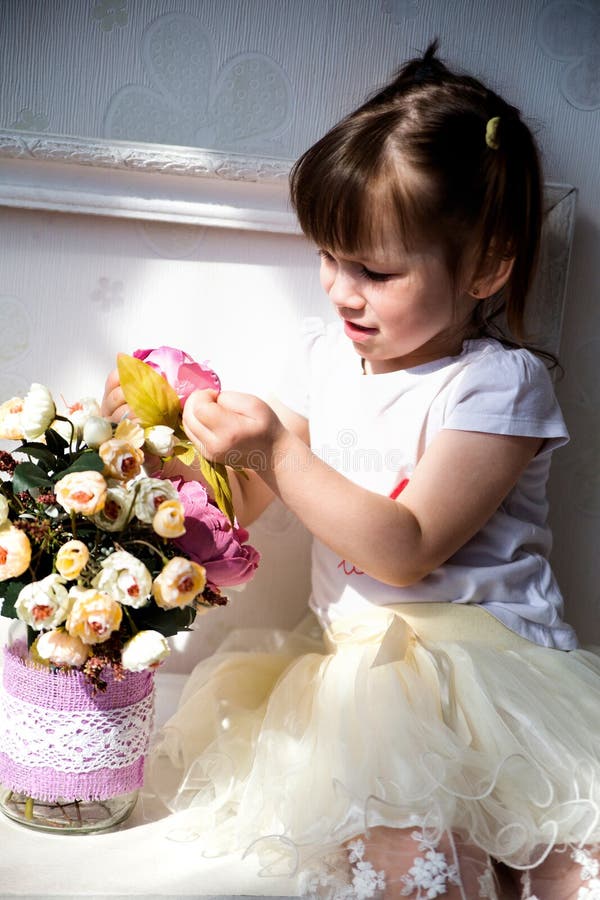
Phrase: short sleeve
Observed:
(506, 391)
(293, 388)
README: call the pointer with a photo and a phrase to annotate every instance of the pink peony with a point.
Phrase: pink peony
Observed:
(211, 540)
(183, 374)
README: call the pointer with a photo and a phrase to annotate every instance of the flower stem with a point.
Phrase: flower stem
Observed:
(132, 625)
(29, 808)
(150, 547)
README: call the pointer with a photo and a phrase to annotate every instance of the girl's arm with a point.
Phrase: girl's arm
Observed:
(458, 484)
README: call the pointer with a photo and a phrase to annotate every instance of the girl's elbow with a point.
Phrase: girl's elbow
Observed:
(405, 576)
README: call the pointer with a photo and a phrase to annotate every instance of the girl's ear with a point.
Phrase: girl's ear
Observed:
(494, 280)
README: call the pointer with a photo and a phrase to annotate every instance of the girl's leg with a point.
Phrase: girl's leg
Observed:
(565, 875)
(412, 863)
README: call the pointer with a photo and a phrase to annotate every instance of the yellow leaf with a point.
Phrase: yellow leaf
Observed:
(215, 475)
(150, 397)
(186, 453)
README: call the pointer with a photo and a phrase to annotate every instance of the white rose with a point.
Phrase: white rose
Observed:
(144, 651)
(61, 648)
(116, 512)
(96, 430)
(150, 493)
(160, 440)
(38, 411)
(81, 411)
(44, 604)
(125, 578)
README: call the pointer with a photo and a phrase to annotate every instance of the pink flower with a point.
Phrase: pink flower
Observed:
(211, 540)
(183, 374)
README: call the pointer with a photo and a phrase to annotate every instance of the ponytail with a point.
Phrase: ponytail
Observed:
(434, 156)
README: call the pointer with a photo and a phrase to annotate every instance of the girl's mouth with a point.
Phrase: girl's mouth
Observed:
(357, 332)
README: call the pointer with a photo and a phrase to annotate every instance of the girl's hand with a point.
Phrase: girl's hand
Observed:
(113, 405)
(236, 429)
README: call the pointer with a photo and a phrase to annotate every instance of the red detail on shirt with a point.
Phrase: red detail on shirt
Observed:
(398, 489)
(352, 570)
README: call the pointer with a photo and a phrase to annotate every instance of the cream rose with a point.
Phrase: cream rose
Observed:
(3, 510)
(179, 583)
(116, 511)
(144, 651)
(125, 578)
(15, 552)
(121, 459)
(130, 432)
(94, 615)
(150, 493)
(43, 604)
(38, 411)
(11, 427)
(71, 559)
(169, 519)
(81, 492)
(61, 648)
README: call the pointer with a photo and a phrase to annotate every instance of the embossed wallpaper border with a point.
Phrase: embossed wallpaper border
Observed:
(144, 181)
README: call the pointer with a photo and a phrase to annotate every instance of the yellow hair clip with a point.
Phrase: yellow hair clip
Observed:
(491, 133)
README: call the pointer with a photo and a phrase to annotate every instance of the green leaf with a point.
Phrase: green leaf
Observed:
(147, 393)
(166, 621)
(9, 591)
(88, 461)
(38, 451)
(56, 442)
(27, 475)
(215, 475)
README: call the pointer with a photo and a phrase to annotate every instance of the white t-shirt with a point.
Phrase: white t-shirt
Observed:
(375, 428)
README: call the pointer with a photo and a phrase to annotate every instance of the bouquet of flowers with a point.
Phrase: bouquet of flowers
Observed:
(102, 559)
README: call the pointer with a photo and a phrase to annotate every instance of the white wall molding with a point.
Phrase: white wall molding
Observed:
(199, 187)
(144, 181)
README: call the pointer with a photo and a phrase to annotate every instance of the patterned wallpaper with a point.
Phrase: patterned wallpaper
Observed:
(267, 77)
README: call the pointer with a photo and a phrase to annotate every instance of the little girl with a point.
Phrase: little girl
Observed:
(441, 737)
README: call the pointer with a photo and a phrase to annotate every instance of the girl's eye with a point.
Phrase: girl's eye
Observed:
(373, 276)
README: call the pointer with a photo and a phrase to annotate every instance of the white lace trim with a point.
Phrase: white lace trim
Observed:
(74, 742)
(366, 882)
(590, 870)
(487, 885)
(429, 874)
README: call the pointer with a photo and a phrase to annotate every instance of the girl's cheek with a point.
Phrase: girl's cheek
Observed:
(326, 281)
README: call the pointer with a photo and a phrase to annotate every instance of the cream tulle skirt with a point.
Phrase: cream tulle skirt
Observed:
(289, 744)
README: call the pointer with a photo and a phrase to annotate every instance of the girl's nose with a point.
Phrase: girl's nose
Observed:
(344, 291)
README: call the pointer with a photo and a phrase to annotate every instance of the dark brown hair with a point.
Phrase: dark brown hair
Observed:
(413, 165)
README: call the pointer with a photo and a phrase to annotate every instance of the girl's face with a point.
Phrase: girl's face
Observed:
(399, 310)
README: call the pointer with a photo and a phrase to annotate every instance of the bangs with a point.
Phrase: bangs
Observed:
(353, 194)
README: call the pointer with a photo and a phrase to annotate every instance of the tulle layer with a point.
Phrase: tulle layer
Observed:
(289, 744)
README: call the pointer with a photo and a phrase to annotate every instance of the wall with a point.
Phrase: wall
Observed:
(266, 77)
